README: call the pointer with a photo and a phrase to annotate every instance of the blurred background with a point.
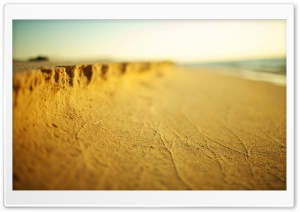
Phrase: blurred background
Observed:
(256, 45)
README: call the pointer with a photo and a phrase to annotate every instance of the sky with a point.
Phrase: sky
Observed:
(131, 40)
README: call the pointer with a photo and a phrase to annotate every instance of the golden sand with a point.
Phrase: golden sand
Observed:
(146, 126)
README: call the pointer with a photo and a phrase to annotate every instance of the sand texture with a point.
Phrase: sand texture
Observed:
(146, 126)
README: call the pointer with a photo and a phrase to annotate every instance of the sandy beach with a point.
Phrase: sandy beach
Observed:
(145, 126)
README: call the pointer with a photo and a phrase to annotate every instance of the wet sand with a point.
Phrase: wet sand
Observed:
(146, 127)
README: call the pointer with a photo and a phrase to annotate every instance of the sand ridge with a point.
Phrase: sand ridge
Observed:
(62, 76)
(146, 126)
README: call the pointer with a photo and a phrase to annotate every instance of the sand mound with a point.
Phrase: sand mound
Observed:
(146, 126)
(107, 76)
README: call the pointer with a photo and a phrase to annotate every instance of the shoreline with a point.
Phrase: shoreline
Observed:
(163, 128)
(274, 78)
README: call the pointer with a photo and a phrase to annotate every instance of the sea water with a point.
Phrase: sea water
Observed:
(269, 70)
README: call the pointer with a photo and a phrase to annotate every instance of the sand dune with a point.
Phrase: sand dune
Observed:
(146, 126)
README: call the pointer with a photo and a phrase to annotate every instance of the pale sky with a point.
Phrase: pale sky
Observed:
(178, 40)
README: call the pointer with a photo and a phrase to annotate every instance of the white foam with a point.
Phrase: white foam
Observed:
(276, 79)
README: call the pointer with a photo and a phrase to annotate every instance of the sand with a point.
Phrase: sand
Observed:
(146, 126)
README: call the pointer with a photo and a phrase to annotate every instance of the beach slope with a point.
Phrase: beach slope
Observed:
(146, 126)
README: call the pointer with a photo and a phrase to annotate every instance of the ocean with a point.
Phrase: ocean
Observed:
(269, 70)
